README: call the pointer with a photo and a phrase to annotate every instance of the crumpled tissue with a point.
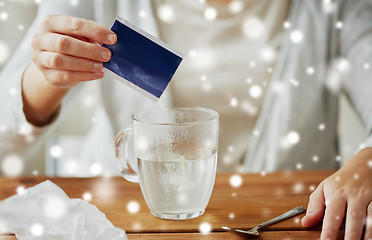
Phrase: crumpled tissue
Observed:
(46, 212)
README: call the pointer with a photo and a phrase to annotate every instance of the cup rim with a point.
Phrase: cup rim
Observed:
(214, 113)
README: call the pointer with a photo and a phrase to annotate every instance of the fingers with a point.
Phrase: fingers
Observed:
(61, 78)
(333, 217)
(59, 61)
(70, 46)
(315, 208)
(368, 227)
(68, 25)
(355, 218)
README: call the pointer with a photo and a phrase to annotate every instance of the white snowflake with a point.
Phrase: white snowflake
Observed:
(21, 27)
(286, 24)
(231, 215)
(96, 169)
(4, 50)
(12, 91)
(312, 188)
(310, 70)
(252, 63)
(256, 133)
(87, 196)
(255, 91)
(298, 187)
(328, 6)
(233, 102)
(268, 54)
(252, 27)
(206, 87)
(205, 228)
(37, 1)
(321, 127)
(294, 82)
(165, 13)
(4, 16)
(133, 207)
(56, 151)
(37, 230)
(74, 2)
(203, 78)
(12, 165)
(55, 207)
(339, 24)
(315, 158)
(366, 65)
(88, 101)
(236, 180)
(356, 176)
(298, 166)
(2, 128)
(210, 13)
(192, 53)
(370, 163)
(263, 173)
(293, 137)
(236, 6)
(296, 36)
(142, 14)
(21, 190)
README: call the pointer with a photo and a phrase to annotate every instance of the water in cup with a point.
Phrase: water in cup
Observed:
(177, 180)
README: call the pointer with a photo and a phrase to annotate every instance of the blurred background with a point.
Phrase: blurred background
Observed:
(15, 18)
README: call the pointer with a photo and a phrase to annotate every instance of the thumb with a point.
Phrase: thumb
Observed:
(315, 208)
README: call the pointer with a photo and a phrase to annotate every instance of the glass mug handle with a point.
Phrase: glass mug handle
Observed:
(121, 152)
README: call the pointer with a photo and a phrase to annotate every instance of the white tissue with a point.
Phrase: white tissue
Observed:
(46, 212)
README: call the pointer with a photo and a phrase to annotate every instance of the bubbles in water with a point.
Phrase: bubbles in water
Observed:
(205, 228)
(87, 196)
(133, 207)
(210, 13)
(296, 36)
(252, 27)
(236, 180)
(166, 13)
(12, 165)
(37, 229)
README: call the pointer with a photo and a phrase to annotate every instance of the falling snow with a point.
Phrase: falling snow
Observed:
(268, 55)
(96, 169)
(252, 28)
(296, 36)
(339, 25)
(370, 163)
(231, 215)
(235, 6)
(236, 180)
(3, 16)
(356, 176)
(166, 13)
(298, 187)
(210, 13)
(293, 137)
(37, 230)
(74, 2)
(315, 158)
(133, 207)
(12, 91)
(321, 127)
(298, 166)
(310, 70)
(205, 228)
(12, 165)
(55, 208)
(142, 14)
(366, 65)
(56, 151)
(4, 50)
(21, 190)
(233, 102)
(255, 91)
(312, 188)
(87, 196)
(286, 25)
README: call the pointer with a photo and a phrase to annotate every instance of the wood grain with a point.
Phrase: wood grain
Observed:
(259, 198)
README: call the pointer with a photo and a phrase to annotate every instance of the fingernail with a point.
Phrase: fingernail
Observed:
(97, 65)
(111, 37)
(99, 74)
(105, 54)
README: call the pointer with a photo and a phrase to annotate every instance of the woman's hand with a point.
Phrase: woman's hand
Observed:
(345, 194)
(65, 50)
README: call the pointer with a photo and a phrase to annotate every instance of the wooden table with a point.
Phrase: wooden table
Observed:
(259, 198)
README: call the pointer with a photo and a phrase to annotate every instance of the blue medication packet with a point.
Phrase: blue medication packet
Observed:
(141, 60)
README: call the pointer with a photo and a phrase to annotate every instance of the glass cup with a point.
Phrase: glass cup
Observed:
(176, 158)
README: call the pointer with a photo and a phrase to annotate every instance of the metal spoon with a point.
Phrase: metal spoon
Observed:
(254, 231)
